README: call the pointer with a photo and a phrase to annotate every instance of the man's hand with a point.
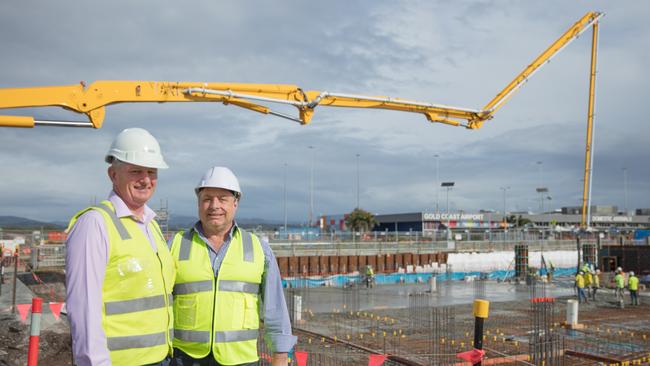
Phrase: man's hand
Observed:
(279, 359)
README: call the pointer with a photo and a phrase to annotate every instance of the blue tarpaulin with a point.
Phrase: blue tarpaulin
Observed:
(388, 278)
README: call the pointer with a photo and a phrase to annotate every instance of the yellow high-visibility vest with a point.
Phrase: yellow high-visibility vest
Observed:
(580, 281)
(218, 314)
(633, 283)
(137, 313)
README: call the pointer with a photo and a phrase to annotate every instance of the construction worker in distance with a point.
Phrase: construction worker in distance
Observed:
(619, 279)
(633, 286)
(119, 271)
(588, 281)
(370, 274)
(596, 284)
(227, 278)
(580, 285)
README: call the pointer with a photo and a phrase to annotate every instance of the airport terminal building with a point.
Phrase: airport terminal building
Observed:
(567, 219)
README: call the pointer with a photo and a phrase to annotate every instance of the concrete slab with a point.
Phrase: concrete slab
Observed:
(395, 296)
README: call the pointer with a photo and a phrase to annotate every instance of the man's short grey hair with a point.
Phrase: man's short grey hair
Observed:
(115, 163)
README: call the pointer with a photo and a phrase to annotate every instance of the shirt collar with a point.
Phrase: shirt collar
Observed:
(122, 210)
(198, 227)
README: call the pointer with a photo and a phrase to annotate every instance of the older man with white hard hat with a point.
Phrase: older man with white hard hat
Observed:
(226, 278)
(119, 271)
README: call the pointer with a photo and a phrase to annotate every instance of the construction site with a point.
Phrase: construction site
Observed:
(418, 308)
(503, 292)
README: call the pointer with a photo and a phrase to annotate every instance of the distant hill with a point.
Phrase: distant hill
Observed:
(175, 222)
(24, 223)
(182, 222)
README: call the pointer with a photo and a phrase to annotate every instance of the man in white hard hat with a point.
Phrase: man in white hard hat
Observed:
(119, 271)
(227, 278)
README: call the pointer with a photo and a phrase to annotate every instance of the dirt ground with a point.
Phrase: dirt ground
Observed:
(54, 348)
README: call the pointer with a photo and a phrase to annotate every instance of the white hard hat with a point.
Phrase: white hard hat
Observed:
(631, 273)
(136, 146)
(219, 177)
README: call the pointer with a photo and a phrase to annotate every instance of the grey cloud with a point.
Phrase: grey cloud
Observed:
(459, 54)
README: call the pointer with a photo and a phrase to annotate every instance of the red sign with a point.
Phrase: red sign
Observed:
(56, 236)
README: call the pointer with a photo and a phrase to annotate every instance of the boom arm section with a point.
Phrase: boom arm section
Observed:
(588, 20)
(92, 100)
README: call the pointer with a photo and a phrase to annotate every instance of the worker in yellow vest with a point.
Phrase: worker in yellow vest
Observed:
(227, 278)
(633, 286)
(596, 284)
(119, 271)
(619, 279)
(580, 285)
(588, 281)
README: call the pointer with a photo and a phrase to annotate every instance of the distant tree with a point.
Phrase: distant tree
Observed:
(518, 221)
(360, 220)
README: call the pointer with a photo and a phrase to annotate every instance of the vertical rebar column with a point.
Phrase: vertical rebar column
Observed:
(479, 288)
(521, 261)
(590, 254)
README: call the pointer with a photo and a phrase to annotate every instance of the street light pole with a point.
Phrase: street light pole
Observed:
(448, 186)
(311, 188)
(285, 199)
(437, 183)
(505, 215)
(625, 188)
(358, 180)
(541, 194)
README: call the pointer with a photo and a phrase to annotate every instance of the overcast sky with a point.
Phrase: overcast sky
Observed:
(459, 53)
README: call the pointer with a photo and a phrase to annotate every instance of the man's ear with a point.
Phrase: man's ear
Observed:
(111, 173)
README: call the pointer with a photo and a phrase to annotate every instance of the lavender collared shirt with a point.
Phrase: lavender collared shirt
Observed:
(273, 310)
(85, 266)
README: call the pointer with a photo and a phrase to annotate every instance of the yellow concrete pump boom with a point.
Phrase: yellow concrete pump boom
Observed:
(92, 99)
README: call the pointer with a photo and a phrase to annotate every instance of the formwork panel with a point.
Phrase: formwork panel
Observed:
(294, 266)
(372, 261)
(303, 264)
(424, 259)
(631, 258)
(381, 266)
(399, 261)
(320, 264)
(343, 264)
(314, 265)
(353, 263)
(283, 265)
(361, 262)
(390, 263)
(442, 257)
(416, 259)
(334, 264)
(408, 259)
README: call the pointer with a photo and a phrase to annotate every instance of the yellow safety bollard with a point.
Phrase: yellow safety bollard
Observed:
(481, 309)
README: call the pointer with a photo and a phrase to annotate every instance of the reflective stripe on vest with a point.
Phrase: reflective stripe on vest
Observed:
(140, 304)
(191, 287)
(199, 336)
(247, 242)
(236, 335)
(124, 234)
(186, 245)
(239, 286)
(138, 341)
